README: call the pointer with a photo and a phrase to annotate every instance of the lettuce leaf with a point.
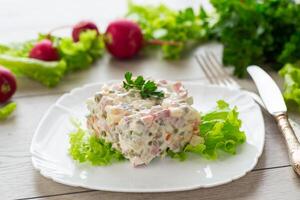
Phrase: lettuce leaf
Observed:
(220, 129)
(89, 148)
(162, 23)
(181, 156)
(17, 49)
(73, 56)
(81, 54)
(291, 75)
(47, 73)
(7, 110)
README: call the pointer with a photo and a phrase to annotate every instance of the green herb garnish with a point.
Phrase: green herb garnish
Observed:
(146, 88)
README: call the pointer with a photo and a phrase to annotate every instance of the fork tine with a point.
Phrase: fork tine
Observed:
(226, 77)
(203, 67)
(212, 68)
(219, 67)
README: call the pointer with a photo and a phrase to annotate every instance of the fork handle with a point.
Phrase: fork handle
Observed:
(292, 142)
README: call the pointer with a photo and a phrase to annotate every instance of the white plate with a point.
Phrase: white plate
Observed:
(50, 145)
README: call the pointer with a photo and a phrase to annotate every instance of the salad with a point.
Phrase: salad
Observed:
(141, 119)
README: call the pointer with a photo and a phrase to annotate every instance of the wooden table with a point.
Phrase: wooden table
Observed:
(272, 178)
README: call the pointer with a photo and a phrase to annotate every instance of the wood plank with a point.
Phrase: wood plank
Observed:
(276, 184)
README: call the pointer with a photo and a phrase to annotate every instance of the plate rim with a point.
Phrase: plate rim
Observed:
(145, 190)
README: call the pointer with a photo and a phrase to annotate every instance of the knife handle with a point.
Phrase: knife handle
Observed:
(292, 142)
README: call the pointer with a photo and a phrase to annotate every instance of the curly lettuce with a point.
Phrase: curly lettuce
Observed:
(291, 75)
(89, 148)
(73, 56)
(220, 130)
(162, 23)
(7, 110)
(81, 54)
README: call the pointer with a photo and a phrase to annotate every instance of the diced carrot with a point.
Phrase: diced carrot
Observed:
(168, 136)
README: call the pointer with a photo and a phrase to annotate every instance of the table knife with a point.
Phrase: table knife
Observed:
(275, 105)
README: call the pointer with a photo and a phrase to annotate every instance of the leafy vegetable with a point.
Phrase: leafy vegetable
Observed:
(147, 88)
(220, 130)
(181, 156)
(89, 148)
(17, 49)
(81, 54)
(47, 73)
(160, 22)
(291, 75)
(257, 32)
(7, 110)
(291, 50)
(74, 56)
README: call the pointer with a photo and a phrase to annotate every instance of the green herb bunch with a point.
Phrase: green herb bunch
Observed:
(258, 32)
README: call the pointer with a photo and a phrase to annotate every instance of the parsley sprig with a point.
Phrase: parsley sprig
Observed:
(146, 88)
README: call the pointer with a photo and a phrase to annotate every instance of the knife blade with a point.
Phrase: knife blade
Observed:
(268, 90)
(274, 103)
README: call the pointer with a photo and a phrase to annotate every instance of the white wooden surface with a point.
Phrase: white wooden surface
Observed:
(272, 178)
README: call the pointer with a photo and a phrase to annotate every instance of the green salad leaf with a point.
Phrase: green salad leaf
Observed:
(220, 130)
(181, 156)
(73, 56)
(291, 75)
(163, 23)
(7, 110)
(81, 54)
(47, 73)
(89, 148)
(17, 49)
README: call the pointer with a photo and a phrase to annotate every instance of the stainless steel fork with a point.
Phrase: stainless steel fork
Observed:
(216, 74)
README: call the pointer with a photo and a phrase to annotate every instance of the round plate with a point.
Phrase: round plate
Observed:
(50, 145)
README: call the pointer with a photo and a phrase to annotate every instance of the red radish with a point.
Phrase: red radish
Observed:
(124, 39)
(8, 84)
(44, 50)
(83, 26)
